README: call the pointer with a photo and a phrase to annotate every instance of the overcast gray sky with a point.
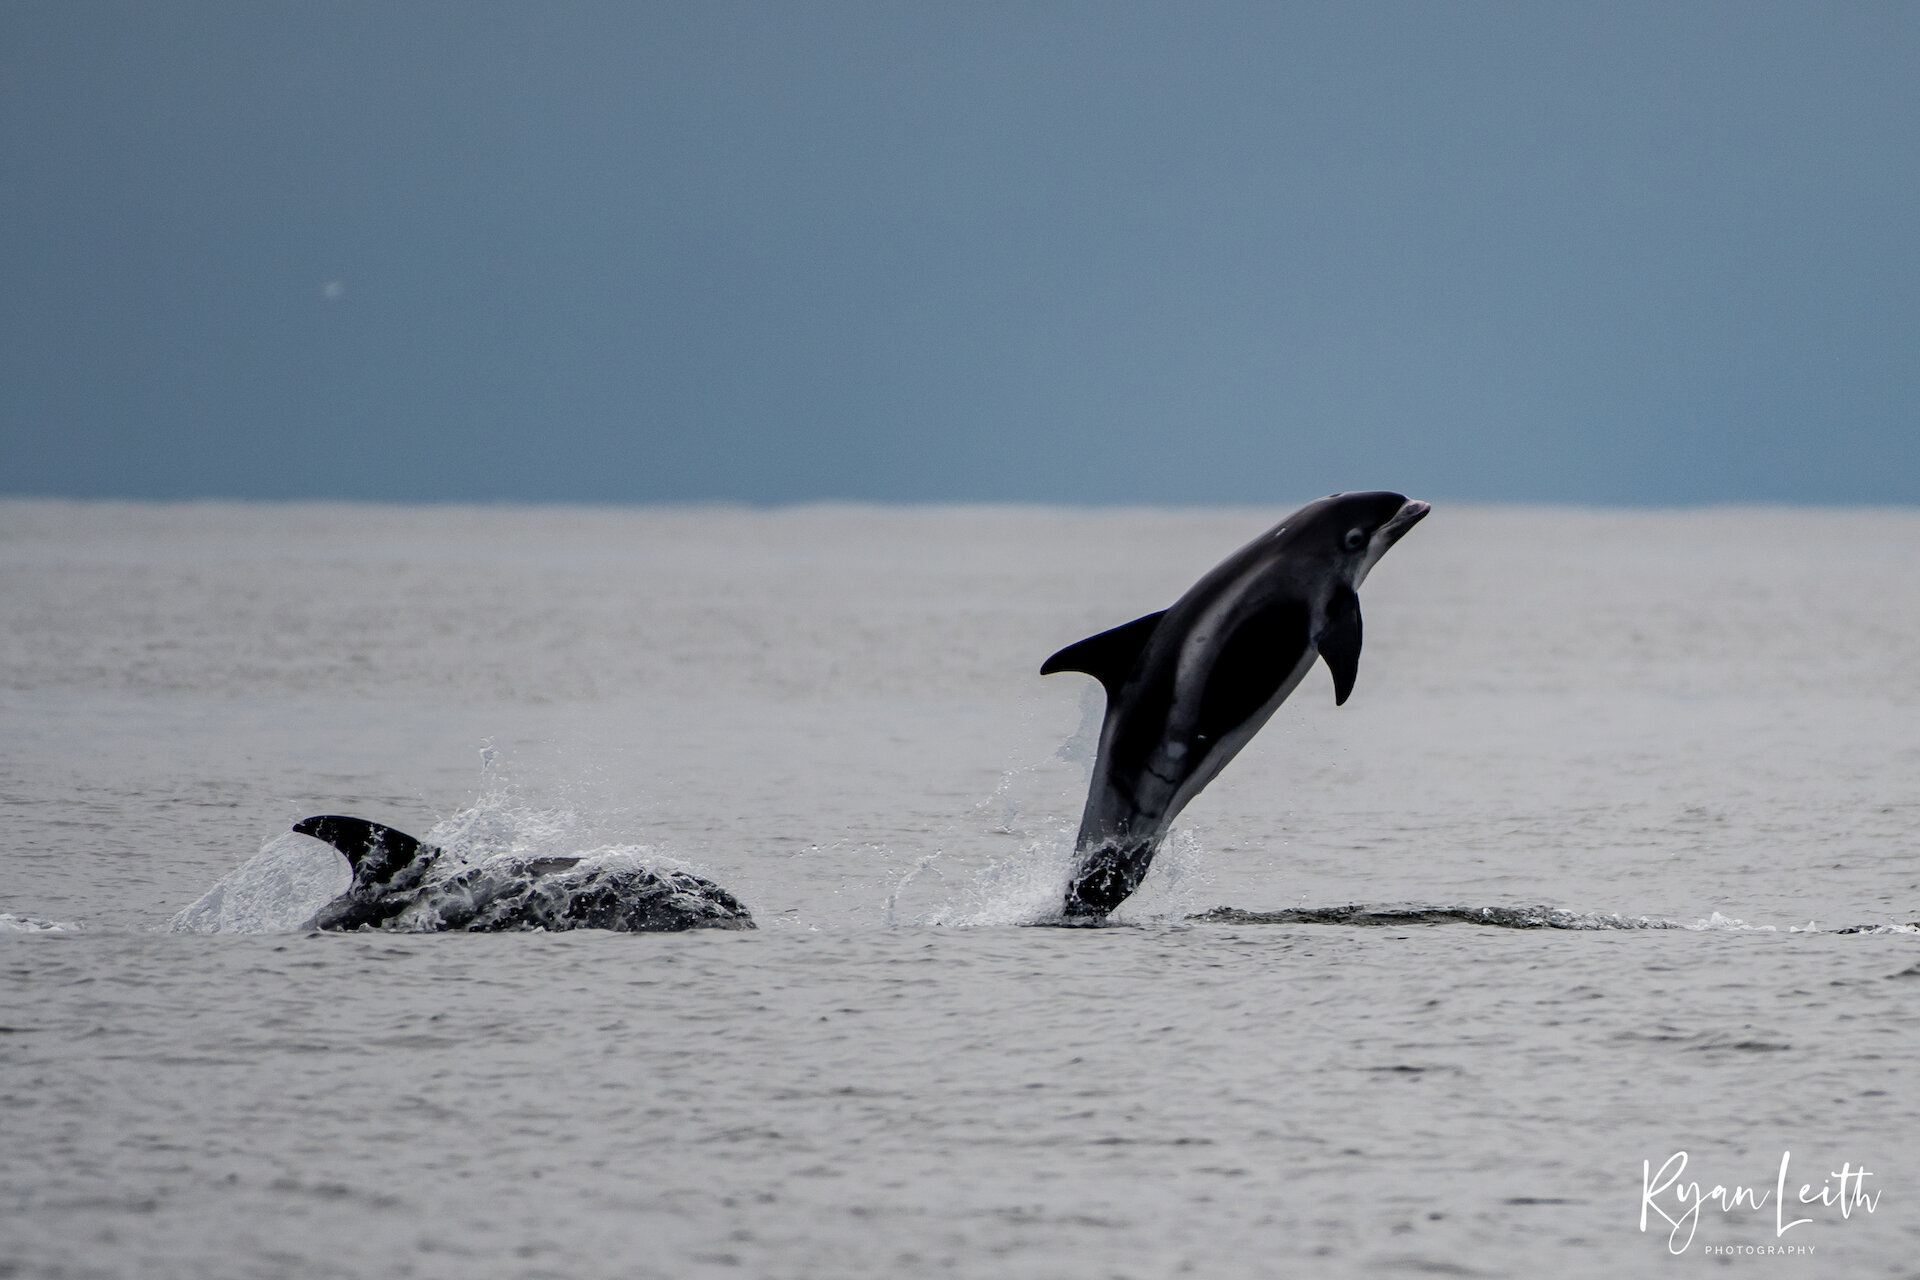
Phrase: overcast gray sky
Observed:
(1610, 252)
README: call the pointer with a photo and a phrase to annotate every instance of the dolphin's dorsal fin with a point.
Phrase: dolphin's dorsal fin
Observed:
(1340, 642)
(1109, 656)
(374, 851)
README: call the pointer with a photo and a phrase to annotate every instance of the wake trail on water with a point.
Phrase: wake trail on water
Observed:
(1532, 917)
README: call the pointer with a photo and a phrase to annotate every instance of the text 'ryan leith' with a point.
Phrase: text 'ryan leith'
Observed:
(1844, 1190)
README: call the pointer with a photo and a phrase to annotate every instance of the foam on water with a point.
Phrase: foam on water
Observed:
(1717, 923)
(27, 924)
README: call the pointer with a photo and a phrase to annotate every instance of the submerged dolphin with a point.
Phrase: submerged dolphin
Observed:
(1189, 686)
(393, 873)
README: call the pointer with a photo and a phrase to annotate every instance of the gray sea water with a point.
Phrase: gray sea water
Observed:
(1597, 720)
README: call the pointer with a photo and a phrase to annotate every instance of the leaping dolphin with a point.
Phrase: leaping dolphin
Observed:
(1189, 686)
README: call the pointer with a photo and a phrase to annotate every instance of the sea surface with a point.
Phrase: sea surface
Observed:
(1689, 740)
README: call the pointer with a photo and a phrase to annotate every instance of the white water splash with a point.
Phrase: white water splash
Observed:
(498, 824)
(1029, 887)
(1180, 879)
(277, 890)
(1024, 888)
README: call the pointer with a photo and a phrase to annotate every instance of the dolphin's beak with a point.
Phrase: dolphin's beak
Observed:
(1410, 514)
(1386, 535)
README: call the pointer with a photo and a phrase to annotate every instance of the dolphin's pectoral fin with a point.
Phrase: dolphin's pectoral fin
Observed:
(375, 852)
(1340, 643)
(1108, 657)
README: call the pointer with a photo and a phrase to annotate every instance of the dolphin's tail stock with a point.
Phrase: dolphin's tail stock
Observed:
(384, 861)
(1106, 875)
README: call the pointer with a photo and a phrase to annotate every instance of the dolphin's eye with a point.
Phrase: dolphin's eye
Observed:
(1356, 538)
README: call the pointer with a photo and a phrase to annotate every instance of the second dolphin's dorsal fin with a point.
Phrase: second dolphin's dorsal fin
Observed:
(1340, 643)
(1108, 657)
(375, 852)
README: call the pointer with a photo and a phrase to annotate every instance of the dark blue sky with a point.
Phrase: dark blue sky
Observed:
(1639, 253)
